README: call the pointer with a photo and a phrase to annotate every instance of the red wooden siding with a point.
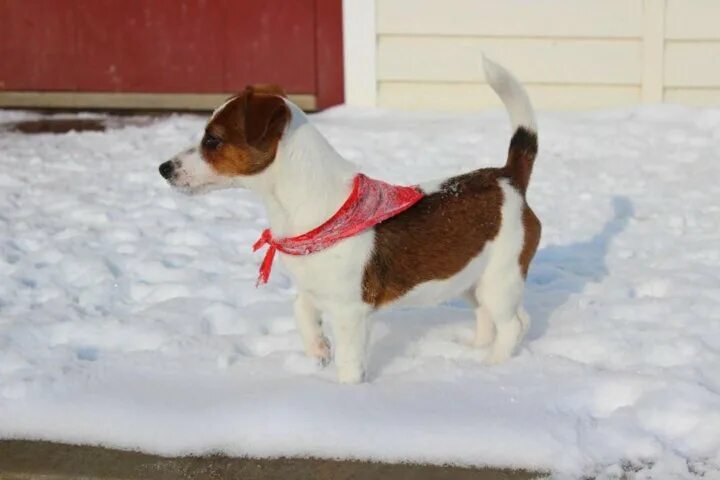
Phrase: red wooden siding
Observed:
(329, 51)
(172, 46)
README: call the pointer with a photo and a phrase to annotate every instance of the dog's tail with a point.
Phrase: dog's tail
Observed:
(524, 142)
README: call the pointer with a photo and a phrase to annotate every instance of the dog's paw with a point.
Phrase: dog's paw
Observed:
(484, 337)
(320, 350)
(351, 376)
(324, 361)
(497, 355)
(350, 371)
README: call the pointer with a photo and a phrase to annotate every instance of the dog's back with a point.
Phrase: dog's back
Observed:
(448, 230)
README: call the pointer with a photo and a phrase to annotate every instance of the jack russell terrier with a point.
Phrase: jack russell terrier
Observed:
(353, 244)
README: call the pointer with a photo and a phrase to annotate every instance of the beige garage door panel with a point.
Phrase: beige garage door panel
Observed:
(468, 97)
(692, 19)
(541, 18)
(692, 64)
(603, 62)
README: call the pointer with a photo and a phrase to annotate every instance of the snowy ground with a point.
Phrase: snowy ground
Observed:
(129, 315)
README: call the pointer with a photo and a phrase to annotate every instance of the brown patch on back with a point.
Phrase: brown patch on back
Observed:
(443, 232)
(435, 238)
(249, 129)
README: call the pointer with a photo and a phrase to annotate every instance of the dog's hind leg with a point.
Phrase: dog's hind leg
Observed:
(484, 326)
(469, 296)
(524, 317)
(502, 283)
(308, 323)
(500, 298)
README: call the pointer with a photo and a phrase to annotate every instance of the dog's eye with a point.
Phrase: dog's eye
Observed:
(211, 142)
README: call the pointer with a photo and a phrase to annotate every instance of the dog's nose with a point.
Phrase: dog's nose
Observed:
(166, 169)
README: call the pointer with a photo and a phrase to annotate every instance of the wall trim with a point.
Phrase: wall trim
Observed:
(360, 47)
(141, 101)
(653, 85)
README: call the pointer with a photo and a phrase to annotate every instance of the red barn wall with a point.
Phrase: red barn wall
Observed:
(172, 46)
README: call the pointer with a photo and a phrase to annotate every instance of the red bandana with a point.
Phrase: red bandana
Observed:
(370, 202)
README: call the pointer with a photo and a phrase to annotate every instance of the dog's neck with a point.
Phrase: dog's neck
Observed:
(307, 182)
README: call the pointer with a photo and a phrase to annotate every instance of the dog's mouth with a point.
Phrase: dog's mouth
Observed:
(189, 189)
(180, 181)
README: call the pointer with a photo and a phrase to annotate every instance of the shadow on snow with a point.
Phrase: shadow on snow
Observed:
(557, 273)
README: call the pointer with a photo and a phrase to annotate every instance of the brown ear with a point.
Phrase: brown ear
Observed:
(265, 120)
(269, 89)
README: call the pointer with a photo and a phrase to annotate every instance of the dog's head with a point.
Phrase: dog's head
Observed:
(240, 140)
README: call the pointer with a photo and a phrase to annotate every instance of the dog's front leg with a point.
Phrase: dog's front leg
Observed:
(350, 327)
(307, 317)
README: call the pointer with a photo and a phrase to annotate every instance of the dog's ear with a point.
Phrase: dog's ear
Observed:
(269, 89)
(266, 116)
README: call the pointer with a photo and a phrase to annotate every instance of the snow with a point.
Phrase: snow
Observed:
(129, 315)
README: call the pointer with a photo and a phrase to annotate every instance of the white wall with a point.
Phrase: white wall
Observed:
(569, 53)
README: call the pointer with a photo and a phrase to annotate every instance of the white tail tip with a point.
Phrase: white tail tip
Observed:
(512, 94)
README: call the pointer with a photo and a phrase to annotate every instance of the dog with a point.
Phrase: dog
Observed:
(470, 236)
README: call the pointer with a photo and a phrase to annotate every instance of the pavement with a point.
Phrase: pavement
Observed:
(34, 460)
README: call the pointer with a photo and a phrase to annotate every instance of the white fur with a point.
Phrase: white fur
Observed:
(192, 174)
(493, 280)
(435, 291)
(308, 181)
(310, 327)
(512, 94)
(499, 291)
(305, 184)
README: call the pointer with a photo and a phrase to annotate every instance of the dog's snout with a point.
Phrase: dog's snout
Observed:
(166, 169)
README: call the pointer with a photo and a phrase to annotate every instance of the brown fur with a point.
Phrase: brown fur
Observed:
(435, 238)
(533, 230)
(443, 232)
(520, 162)
(249, 129)
(521, 158)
